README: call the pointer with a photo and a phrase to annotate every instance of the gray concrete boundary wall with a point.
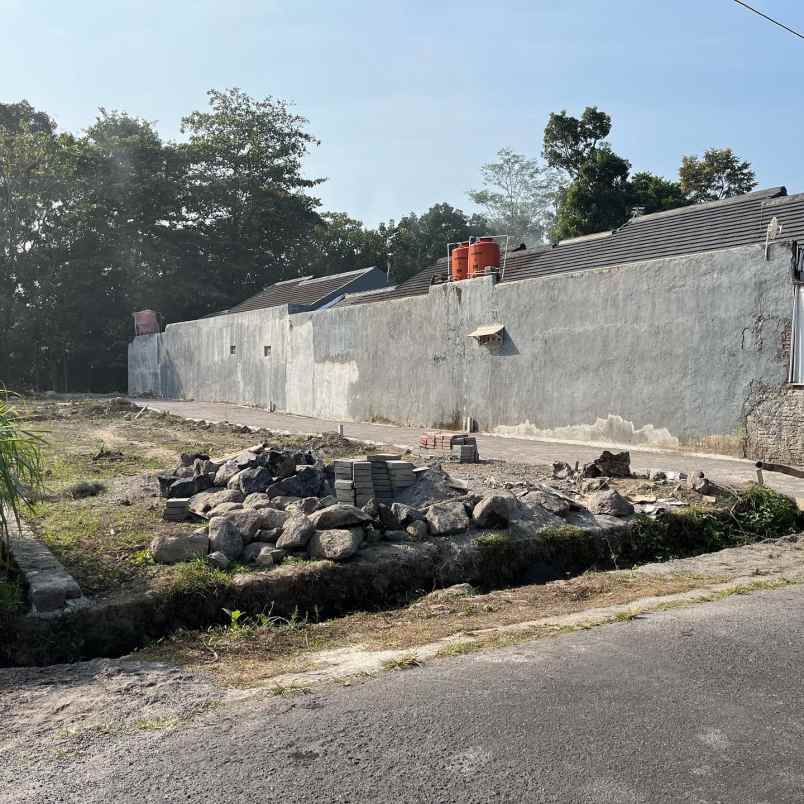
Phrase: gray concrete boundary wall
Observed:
(657, 352)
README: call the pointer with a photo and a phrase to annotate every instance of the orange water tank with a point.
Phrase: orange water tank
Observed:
(459, 262)
(483, 253)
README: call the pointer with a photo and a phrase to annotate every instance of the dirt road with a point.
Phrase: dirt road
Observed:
(521, 450)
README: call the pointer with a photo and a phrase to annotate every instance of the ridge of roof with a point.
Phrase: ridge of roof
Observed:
(311, 280)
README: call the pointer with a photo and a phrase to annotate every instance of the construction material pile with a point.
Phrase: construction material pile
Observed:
(381, 477)
(461, 447)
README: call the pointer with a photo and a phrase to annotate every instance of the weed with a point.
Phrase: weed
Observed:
(156, 724)
(11, 596)
(626, 616)
(289, 689)
(234, 619)
(142, 558)
(197, 577)
(405, 661)
(459, 648)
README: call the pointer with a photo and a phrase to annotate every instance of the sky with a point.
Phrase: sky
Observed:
(410, 98)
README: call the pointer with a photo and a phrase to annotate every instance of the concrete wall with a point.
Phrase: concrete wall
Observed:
(655, 352)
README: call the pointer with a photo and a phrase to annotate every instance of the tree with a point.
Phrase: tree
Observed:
(597, 199)
(654, 194)
(518, 198)
(338, 244)
(570, 142)
(720, 174)
(247, 199)
(416, 241)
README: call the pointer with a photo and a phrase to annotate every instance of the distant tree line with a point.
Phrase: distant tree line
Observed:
(96, 226)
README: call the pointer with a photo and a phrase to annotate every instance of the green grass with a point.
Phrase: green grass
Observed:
(197, 577)
(11, 596)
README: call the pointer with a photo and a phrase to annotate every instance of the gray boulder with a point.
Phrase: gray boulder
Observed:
(246, 459)
(609, 464)
(225, 537)
(226, 472)
(168, 548)
(254, 480)
(609, 503)
(267, 535)
(219, 560)
(265, 558)
(282, 501)
(305, 506)
(224, 508)
(189, 486)
(444, 518)
(296, 532)
(417, 530)
(253, 550)
(340, 515)
(258, 500)
(398, 535)
(406, 513)
(307, 482)
(495, 511)
(325, 502)
(271, 518)
(548, 498)
(281, 464)
(336, 544)
(203, 502)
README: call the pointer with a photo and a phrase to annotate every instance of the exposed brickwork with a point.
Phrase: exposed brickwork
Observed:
(774, 424)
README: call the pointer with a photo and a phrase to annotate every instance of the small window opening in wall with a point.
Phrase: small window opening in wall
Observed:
(266, 351)
(232, 350)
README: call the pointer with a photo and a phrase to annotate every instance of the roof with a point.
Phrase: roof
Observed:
(487, 330)
(738, 221)
(306, 291)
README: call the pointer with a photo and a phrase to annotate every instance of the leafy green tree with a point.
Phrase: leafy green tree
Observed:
(571, 142)
(518, 197)
(597, 199)
(247, 199)
(338, 244)
(654, 194)
(719, 174)
(414, 242)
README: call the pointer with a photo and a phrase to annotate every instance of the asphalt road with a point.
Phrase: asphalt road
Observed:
(521, 450)
(702, 704)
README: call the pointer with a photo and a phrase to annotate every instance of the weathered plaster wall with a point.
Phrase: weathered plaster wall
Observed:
(652, 352)
(775, 424)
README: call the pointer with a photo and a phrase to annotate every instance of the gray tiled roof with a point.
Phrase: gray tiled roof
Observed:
(737, 221)
(305, 291)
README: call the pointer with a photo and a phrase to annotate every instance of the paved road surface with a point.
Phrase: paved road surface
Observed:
(521, 450)
(698, 705)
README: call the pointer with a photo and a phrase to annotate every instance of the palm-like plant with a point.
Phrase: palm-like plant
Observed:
(20, 465)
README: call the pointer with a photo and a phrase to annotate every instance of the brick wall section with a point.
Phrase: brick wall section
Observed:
(774, 425)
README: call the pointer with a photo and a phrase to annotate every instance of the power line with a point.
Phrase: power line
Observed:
(770, 19)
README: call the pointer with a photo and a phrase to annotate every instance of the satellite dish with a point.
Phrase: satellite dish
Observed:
(773, 231)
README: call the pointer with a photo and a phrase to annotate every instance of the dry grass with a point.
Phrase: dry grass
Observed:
(254, 654)
(103, 540)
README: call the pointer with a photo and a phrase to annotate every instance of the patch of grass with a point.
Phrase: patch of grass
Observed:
(406, 661)
(287, 690)
(11, 596)
(459, 648)
(626, 616)
(156, 724)
(197, 577)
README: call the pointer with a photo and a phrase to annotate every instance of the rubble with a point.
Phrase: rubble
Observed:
(609, 464)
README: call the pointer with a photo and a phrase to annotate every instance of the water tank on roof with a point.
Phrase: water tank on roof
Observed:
(459, 262)
(146, 322)
(483, 253)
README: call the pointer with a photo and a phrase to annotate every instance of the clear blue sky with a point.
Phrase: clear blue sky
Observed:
(410, 98)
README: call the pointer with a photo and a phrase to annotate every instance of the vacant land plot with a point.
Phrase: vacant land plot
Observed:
(102, 507)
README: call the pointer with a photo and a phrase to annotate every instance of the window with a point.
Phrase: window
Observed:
(266, 351)
(232, 350)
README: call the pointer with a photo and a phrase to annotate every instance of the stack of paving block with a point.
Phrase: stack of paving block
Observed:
(344, 482)
(380, 477)
(464, 449)
(177, 509)
(400, 473)
(363, 481)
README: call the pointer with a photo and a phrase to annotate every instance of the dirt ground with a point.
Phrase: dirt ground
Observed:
(103, 540)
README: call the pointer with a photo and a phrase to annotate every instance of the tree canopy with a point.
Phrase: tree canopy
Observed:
(719, 174)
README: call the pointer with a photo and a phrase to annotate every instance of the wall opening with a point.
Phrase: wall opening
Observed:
(266, 351)
(232, 350)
